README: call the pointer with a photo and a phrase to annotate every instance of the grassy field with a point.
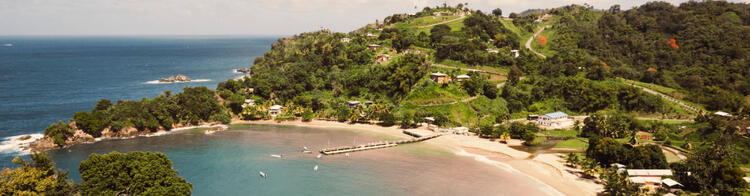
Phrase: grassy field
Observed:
(561, 132)
(575, 143)
(455, 26)
(509, 24)
(434, 94)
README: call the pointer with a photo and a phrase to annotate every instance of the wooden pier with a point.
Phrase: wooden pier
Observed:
(377, 145)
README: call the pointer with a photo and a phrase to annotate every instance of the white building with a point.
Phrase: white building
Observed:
(493, 50)
(651, 178)
(352, 104)
(248, 102)
(515, 53)
(555, 120)
(462, 77)
(275, 110)
(722, 114)
(346, 40)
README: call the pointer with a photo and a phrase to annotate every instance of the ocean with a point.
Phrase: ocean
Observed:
(46, 79)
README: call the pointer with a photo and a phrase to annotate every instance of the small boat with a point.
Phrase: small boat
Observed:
(307, 152)
(262, 174)
(8, 45)
(277, 156)
(209, 132)
(319, 156)
(305, 148)
(316, 168)
(347, 154)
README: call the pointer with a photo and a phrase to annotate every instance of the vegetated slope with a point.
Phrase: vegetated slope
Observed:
(700, 47)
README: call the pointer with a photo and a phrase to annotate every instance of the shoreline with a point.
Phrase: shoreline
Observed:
(547, 169)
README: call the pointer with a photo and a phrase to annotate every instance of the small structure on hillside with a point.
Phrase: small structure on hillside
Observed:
(722, 114)
(275, 110)
(346, 40)
(371, 35)
(671, 185)
(495, 51)
(651, 178)
(383, 58)
(352, 104)
(373, 46)
(515, 53)
(555, 120)
(462, 77)
(439, 77)
(248, 102)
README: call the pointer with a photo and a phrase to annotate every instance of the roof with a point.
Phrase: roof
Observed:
(353, 102)
(649, 172)
(720, 113)
(438, 74)
(618, 165)
(429, 118)
(556, 115)
(464, 76)
(275, 107)
(670, 183)
(373, 45)
(644, 180)
(746, 179)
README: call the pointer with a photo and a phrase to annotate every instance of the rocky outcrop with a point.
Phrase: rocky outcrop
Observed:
(178, 78)
(244, 70)
(80, 137)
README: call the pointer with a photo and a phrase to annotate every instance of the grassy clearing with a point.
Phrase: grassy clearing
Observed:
(509, 24)
(562, 132)
(671, 157)
(422, 150)
(575, 143)
(435, 94)
(455, 26)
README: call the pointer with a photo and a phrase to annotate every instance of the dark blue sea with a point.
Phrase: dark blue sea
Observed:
(46, 79)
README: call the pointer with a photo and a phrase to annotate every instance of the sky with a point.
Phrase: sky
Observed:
(232, 17)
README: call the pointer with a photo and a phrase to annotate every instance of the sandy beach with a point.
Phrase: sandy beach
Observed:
(546, 168)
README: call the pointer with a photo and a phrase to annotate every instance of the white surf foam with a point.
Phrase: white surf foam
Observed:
(13, 145)
(158, 82)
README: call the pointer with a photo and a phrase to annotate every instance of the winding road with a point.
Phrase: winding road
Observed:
(678, 102)
(528, 43)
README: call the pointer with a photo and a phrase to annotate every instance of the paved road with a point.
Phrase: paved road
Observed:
(678, 102)
(447, 21)
(451, 103)
(528, 43)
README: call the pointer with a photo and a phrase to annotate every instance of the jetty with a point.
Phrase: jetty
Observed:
(377, 145)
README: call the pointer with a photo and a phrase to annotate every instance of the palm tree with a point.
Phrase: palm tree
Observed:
(504, 137)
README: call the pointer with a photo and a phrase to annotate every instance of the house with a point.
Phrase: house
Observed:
(555, 120)
(747, 179)
(723, 114)
(346, 40)
(462, 77)
(651, 178)
(514, 53)
(382, 58)
(538, 21)
(671, 185)
(352, 104)
(248, 102)
(275, 110)
(439, 77)
(493, 50)
(373, 46)
(371, 35)
(532, 117)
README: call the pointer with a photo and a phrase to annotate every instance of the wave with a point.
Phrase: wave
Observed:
(13, 145)
(158, 82)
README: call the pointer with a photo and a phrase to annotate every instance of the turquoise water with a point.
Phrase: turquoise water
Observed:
(227, 163)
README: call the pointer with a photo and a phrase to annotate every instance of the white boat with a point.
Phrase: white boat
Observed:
(347, 154)
(305, 147)
(209, 132)
(307, 152)
(316, 168)
(277, 156)
(8, 45)
(262, 174)
(319, 156)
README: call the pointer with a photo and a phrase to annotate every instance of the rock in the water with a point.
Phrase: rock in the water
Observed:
(25, 137)
(179, 78)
